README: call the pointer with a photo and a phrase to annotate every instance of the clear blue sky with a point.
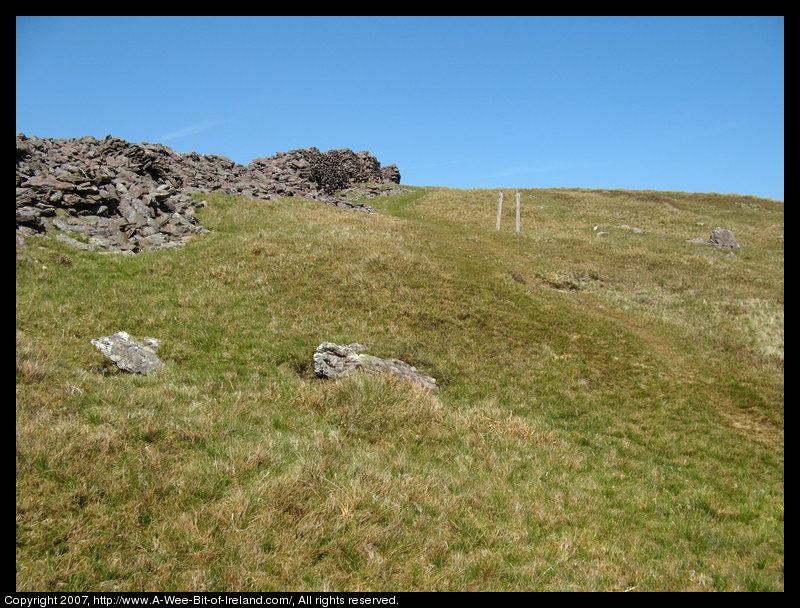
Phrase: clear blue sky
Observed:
(684, 103)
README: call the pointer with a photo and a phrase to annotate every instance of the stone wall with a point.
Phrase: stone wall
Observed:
(118, 196)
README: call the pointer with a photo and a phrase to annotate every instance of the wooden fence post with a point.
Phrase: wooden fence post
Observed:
(499, 210)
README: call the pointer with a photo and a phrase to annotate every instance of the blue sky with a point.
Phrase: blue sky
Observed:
(665, 103)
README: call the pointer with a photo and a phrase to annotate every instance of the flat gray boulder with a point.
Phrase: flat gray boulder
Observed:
(340, 360)
(129, 354)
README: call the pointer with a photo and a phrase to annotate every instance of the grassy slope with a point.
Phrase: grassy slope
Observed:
(611, 413)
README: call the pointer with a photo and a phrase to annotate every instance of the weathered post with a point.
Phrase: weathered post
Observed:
(517, 211)
(499, 210)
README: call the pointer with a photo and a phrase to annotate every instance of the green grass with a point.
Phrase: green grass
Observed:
(610, 414)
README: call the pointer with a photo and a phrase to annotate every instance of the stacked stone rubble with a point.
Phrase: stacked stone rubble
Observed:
(118, 196)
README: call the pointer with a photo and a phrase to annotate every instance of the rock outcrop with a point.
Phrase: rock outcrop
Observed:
(113, 195)
(340, 360)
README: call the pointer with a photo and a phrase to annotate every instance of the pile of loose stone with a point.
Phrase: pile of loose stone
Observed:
(115, 196)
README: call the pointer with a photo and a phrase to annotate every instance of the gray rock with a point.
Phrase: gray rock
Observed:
(129, 354)
(722, 237)
(68, 240)
(340, 360)
(29, 216)
(336, 360)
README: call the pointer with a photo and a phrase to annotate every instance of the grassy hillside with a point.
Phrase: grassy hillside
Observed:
(610, 414)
